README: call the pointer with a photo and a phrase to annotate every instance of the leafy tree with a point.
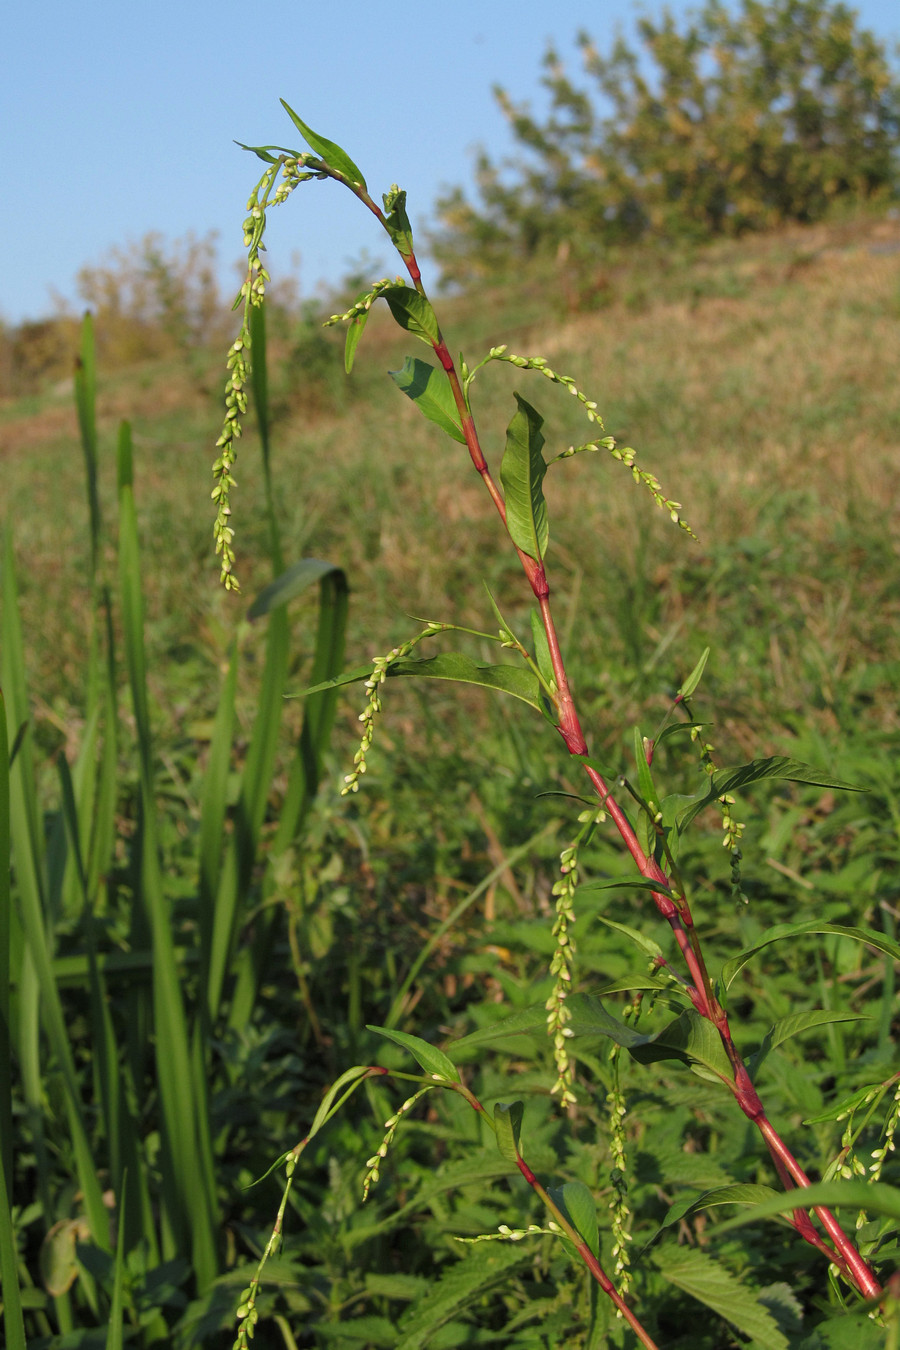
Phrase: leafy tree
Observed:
(737, 121)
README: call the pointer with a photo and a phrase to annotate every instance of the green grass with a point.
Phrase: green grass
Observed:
(758, 382)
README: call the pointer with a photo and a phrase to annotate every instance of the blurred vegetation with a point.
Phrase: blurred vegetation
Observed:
(726, 121)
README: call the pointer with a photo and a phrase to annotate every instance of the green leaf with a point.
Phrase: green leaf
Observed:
(515, 680)
(854, 1332)
(646, 786)
(432, 1060)
(432, 395)
(350, 1076)
(292, 581)
(742, 775)
(396, 221)
(485, 1268)
(508, 1120)
(640, 940)
(542, 650)
(626, 884)
(413, 312)
(873, 1196)
(522, 475)
(264, 152)
(695, 676)
(847, 1104)
(581, 1209)
(787, 1027)
(743, 1194)
(502, 625)
(689, 1038)
(709, 1282)
(789, 930)
(332, 154)
(354, 333)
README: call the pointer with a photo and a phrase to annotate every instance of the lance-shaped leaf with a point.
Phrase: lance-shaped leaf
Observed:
(742, 775)
(689, 1038)
(577, 1203)
(874, 1196)
(354, 333)
(735, 1194)
(508, 1120)
(542, 650)
(396, 221)
(264, 152)
(292, 581)
(413, 312)
(432, 395)
(695, 676)
(517, 681)
(332, 154)
(522, 475)
(878, 941)
(795, 1025)
(432, 1060)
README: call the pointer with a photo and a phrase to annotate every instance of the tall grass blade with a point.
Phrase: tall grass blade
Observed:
(213, 806)
(259, 376)
(85, 402)
(320, 710)
(114, 1336)
(6, 1158)
(13, 1322)
(39, 1004)
(189, 1190)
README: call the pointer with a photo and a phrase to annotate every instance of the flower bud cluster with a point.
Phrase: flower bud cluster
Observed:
(380, 667)
(506, 1234)
(365, 302)
(235, 404)
(620, 1211)
(540, 365)
(373, 1164)
(732, 830)
(563, 960)
(880, 1155)
(252, 292)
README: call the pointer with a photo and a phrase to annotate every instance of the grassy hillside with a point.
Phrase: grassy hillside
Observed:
(757, 380)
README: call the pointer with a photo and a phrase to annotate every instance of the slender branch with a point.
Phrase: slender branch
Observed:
(586, 1255)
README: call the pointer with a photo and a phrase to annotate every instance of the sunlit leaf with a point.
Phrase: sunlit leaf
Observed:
(522, 475)
(581, 1209)
(742, 775)
(332, 154)
(432, 395)
(508, 1120)
(413, 312)
(790, 930)
(432, 1060)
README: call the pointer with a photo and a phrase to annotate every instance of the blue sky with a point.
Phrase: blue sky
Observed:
(120, 118)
